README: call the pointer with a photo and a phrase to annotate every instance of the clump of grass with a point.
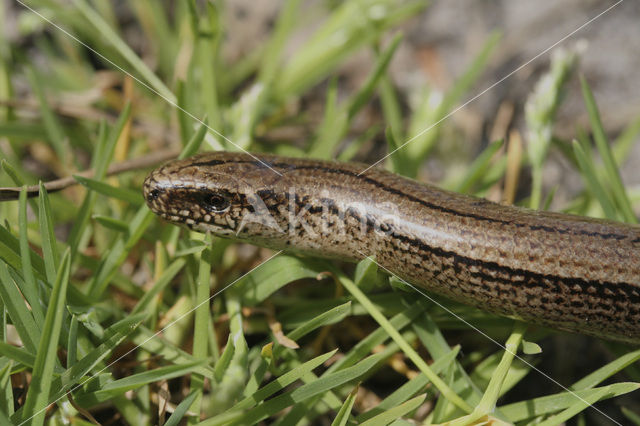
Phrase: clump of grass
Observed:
(107, 312)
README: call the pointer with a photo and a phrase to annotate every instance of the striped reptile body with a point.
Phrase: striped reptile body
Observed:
(568, 272)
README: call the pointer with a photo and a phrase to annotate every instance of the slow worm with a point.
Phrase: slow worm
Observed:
(566, 272)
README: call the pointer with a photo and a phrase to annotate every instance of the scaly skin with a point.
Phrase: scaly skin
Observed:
(567, 272)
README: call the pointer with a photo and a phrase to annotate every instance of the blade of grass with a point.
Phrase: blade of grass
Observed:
(574, 409)
(29, 288)
(338, 118)
(603, 373)
(378, 337)
(523, 410)
(119, 253)
(127, 195)
(590, 175)
(306, 391)
(21, 317)
(100, 161)
(410, 388)
(399, 160)
(18, 355)
(395, 413)
(208, 57)
(611, 168)
(268, 390)
(38, 392)
(633, 417)
(72, 342)
(6, 403)
(50, 253)
(112, 38)
(345, 410)
(624, 143)
(55, 132)
(260, 369)
(446, 391)
(111, 223)
(492, 393)
(382, 64)
(167, 275)
(17, 180)
(273, 276)
(201, 324)
(150, 342)
(193, 145)
(181, 409)
(479, 166)
(114, 336)
(135, 381)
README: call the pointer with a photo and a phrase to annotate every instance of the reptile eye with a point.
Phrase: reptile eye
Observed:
(218, 202)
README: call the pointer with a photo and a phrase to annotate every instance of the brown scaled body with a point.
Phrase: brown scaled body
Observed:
(568, 272)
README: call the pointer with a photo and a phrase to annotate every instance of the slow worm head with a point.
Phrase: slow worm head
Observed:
(568, 272)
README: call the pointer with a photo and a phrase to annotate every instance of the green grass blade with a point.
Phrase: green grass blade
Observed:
(114, 335)
(184, 121)
(119, 252)
(446, 391)
(55, 132)
(225, 359)
(135, 381)
(412, 387)
(208, 56)
(127, 195)
(603, 373)
(20, 316)
(18, 355)
(633, 417)
(270, 389)
(574, 409)
(150, 342)
(331, 316)
(6, 403)
(524, 410)
(50, 253)
(38, 394)
(17, 180)
(378, 337)
(611, 168)
(590, 175)
(399, 160)
(111, 223)
(274, 49)
(193, 145)
(492, 393)
(306, 391)
(391, 108)
(623, 144)
(479, 167)
(72, 342)
(84, 212)
(181, 409)
(112, 38)
(103, 156)
(30, 287)
(345, 410)
(271, 277)
(167, 275)
(396, 412)
(202, 317)
(382, 63)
